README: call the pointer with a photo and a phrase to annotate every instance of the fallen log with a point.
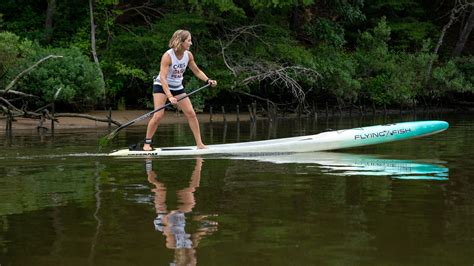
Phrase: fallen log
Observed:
(105, 120)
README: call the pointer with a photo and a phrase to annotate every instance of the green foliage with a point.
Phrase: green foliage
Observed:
(291, 53)
(70, 17)
(466, 66)
(27, 18)
(325, 30)
(27, 23)
(408, 76)
(407, 20)
(372, 50)
(351, 11)
(232, 42)
(279, 3)
(107, 2)
(389, 77)
(409, 33)
(198, 98)
(75, 74)
(338, 70)
(376, 87)
(81, 39)
(449, 78)
(13, 50)
(133, 60)
(230, 6)
(130, 71)
(395, 5)
(220, 5)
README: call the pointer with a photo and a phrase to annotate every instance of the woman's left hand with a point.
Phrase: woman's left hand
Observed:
(212, 82)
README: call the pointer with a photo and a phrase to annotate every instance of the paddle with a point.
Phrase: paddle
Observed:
(104, 141)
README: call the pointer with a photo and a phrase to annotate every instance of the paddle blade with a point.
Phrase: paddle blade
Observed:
(105, 140)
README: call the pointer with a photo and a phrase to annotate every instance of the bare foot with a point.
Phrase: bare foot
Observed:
(201, 146)
(147, 147)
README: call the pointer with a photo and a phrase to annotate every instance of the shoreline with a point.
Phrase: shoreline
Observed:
(172, 117)
(122, 117)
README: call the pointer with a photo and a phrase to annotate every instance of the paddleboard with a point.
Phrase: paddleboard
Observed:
(325, 141)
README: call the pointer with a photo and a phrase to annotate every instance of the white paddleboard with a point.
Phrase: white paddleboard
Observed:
(331, 140)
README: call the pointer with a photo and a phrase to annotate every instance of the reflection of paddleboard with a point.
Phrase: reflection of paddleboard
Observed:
(345, 164)
(332, 140)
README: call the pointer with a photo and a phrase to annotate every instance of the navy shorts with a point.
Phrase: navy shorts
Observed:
(159, 89)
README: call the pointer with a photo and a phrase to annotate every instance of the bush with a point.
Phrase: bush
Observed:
(448, 77)
(13, 51)
(338, 70)
(75, 74)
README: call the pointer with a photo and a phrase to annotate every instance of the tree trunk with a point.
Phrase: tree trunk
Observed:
(466, 31)
(93, 43)
(48, 25)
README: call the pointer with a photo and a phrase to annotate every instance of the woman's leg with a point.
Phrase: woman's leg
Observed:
(159, 99)
(186, 106)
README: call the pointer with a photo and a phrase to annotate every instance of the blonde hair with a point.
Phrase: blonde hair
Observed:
(178, 38)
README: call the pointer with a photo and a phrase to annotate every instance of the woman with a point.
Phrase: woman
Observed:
(169, 85)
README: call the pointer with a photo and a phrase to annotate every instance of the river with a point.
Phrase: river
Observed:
(63, 202)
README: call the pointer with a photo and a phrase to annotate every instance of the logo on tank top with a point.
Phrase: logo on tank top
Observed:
(178, 71)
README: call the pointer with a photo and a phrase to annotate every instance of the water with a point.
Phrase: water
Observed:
(406, 203)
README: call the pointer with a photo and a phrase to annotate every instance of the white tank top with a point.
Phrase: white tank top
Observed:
(175, 71)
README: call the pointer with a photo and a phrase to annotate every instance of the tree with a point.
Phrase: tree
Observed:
(466, 31)
(48, 25)
(93, 44)
(459, 7)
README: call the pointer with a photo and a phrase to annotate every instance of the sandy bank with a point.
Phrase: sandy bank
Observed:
(119, 116)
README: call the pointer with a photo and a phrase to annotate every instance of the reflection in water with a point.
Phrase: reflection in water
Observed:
(172, 223)
(346, 164)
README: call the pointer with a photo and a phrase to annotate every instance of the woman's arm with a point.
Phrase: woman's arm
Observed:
(198, 72)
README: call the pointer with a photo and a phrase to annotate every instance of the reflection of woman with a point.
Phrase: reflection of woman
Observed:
(172, 223)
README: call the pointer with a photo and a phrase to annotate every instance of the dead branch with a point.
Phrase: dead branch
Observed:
(146, 11)
(258, 70)
(258, 97)
(90, 117)
(26, 71)
(46, 115)
(240, 32)
(7, 103)
(20, 113)
(282, 76)
(224, 57)
(18, 93)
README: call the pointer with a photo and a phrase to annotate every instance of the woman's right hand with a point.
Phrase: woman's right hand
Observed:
(173, 100)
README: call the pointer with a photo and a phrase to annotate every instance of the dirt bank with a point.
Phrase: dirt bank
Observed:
(119, 116)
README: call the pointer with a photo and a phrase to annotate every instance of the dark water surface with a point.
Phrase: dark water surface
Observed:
(62, 202)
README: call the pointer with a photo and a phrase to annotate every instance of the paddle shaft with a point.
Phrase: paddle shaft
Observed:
(158, 109)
